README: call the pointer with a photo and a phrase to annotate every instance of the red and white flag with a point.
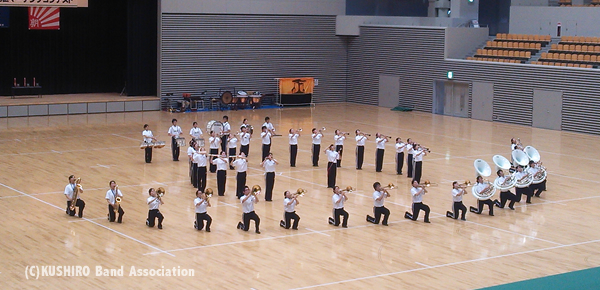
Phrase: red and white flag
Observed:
(44, 18)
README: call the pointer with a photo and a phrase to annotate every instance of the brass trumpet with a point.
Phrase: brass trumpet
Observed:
(349, 189)
(300, 192)
(427, 183)
(465, 184)
(390, 186)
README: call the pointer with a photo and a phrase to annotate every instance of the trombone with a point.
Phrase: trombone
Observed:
(300, 192)
(349, 189)
(427, 183)
(389, 186)
(465, 184)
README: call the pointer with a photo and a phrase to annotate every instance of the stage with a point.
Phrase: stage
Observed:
(24, 106)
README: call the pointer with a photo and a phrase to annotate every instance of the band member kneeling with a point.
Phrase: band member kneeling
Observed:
(202, 201)
(417, 192)
(480, 186)
(113, 197)
(338, 198)
(73, 192)
(505, 195)
(378, 209)
(289, 204)
(458, 191)
(248, 200)
(154, 201)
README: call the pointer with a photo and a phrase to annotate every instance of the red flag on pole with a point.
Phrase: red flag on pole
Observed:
(44, 18)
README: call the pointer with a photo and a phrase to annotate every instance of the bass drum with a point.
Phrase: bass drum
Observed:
(226, 97)
(214, 126)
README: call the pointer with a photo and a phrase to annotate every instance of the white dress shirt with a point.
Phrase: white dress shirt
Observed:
(153, 202)
(294, 139)
(400, 147)
(232, 143)
(112, 195)
(244, 139)
(269, 165)
(175, 130)
(215, 142)
(416, 196)
(316, 138)
(338, 201)
(455, 195)
(220, 163)
(332, 155)
(248, 205)
(376, 195)
(226, 128)
(361, 140)
(410, 149)
(240, 164)
(190, 151)
(381, 142)
(147, 136)
(201, 205)
(289, 207)
(339, 139)
(418, 155)
(200, 159)
(195, 132)
(269, 126)
(518, 176)
(266, 137)
(479, 187)
(69, 189)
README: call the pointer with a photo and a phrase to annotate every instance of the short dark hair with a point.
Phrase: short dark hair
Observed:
(110, 182)
(174, 120)
(267, 118)
(376, 184)
(226, 117)
(145, 126)
(195, 123)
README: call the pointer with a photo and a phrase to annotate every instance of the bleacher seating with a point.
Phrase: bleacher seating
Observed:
(512, 48)
(574, 51)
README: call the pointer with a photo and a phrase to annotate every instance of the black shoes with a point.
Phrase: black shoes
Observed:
(160, 227)
(282, 224)
(240, 225)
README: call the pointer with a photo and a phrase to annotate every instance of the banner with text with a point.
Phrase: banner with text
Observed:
(288, 86)
(44, 18)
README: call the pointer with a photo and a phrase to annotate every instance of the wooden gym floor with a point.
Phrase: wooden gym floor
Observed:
(556, 234)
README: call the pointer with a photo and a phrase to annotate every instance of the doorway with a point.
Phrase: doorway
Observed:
(451, 98)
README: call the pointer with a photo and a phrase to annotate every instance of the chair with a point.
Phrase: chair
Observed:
(594, 58)
(579, 57)
(587, 58)
(597, 48)
(578, 47)
(554, 46)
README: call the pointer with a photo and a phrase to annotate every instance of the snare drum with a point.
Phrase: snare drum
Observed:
(199, 141)
(180, 141)
(158, 144)
(144, 145)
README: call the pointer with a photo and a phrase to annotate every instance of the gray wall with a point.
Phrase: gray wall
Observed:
(460, 40)
(350, 24)
(207, 52)
(288, 7)
(543, 20)
(416, 55)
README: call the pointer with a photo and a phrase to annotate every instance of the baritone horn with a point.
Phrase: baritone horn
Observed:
(209, 193)
(160, 192)
(300, 192)
(256, 190)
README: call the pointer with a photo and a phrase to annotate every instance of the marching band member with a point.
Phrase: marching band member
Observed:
(265, 135)
(458, 192)
(69, 194)
(378, 208)
(194, 165)
(269, 125)
(505, 195)
(515, 144)
(418, 154)
(380, 139)
(200, 159)
(332, 157)
(202, 202)
(190, 154)
(245, 124)
(294, 134)
(215, 143)
(195, 132)
(520, 175)
(316, 145)
(361, 139)
(339, 138)
(409, 157)
(417, 192)
(245, 140)
(111, 198)
(480, 186)
(148, 138)
(154, 201)
(232, 147)
(248, 200)
(290, 202)
(225, 133)
(399, 155)
(338, 199)
(241, 165)
(221, 164)
(536, 189)
(269, 165)
(174, 132)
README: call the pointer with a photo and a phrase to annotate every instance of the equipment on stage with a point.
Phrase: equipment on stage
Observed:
(483, 169)
(503, 164)
(226, 97)
(300, 192)
(160, 192)
(180, 141)
(520, 157)
(199, 141)
(78, 189)
(214, 126)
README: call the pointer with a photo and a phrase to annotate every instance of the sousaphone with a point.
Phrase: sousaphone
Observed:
(503, 164)
(483, 169)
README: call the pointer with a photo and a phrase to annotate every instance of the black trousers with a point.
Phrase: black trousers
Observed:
(399, 162)
(153, 214)
(251, 216)
(339, 148)
(80, 204)
(289, 216)
(316, 149)
(293, 154)
(195, 175)
(378, 211)
(148, 154)
(456, 207)
(241, 182)
(526, 191)
(232, 156)
(506, 196)
(270, 181)
(337, 213)
(266, 149)
(418, 170)
(409, 165)
(174, 149)
(224, 142)
(221, 178)
(536, 189)
(481, 203)
(200, 218)
(331, 174)
(111, 214)
(379, 160)
(360, 156)
(201, 178)
(416, 208)
(245, 149)
(214, 152)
